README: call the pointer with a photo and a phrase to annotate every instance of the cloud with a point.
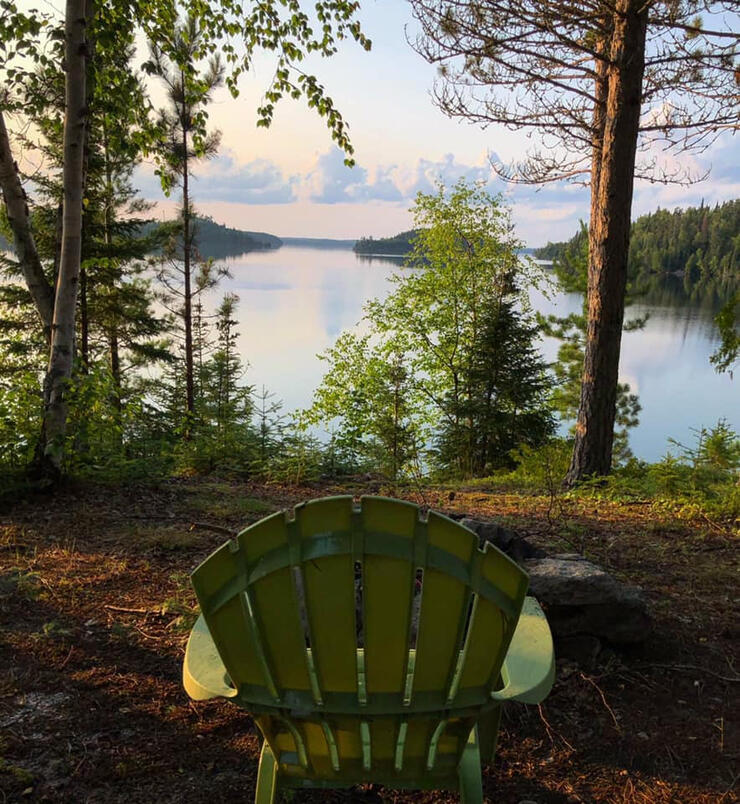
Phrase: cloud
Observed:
(428, 174)
(549, 212)
(224, 179)
(257, 182)
(330, 181)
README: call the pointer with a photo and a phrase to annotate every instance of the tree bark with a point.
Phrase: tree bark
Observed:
(84, 323)
(63, 324)
(24, 244)
(188, 301)
(609, 233)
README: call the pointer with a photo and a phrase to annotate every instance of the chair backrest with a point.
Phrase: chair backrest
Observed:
(364, 636)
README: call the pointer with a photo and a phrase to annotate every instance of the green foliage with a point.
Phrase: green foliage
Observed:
(369, 392)
(727, 353)
(175, 61)
(111, 437)
(537, 468)
(283, 29)
(447, 377)
(704, 477)
(690, 481)
(222, 435)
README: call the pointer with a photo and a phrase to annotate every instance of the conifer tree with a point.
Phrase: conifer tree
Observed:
(183, 143)
(237, 32)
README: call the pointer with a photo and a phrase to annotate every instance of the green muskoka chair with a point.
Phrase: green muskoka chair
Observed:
(370, 642)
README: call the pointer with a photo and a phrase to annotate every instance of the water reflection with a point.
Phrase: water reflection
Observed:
(296, 300)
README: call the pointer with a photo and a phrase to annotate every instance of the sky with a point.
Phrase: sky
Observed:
(290, 180)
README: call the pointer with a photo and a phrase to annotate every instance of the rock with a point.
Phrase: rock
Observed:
(506, 540)
(580, 598)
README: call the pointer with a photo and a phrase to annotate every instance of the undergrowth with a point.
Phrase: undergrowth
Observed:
(702, 479)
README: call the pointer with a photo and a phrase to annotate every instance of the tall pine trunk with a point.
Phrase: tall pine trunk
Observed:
(188, 292)
(609, 232)
(63, 324)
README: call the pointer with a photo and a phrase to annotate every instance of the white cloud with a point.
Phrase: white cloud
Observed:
(224, 179)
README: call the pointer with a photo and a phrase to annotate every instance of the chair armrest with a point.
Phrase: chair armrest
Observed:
(203, 673)
(528, 670)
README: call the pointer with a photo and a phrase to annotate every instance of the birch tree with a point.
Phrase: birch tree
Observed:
(599, 82)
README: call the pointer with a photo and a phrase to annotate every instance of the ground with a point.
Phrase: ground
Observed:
(95, 606)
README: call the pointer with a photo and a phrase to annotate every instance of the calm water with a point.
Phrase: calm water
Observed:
(295, 301)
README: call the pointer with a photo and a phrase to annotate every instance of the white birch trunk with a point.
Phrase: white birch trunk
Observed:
(63, 326)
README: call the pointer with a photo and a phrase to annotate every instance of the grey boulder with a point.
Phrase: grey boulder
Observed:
(580, 598)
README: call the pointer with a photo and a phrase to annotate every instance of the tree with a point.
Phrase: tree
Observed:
(449, 361)
(114, 301)
(367, 395)
(183, 141)
(507, 399)
(596, 80)
(282, 28)
(448, 314)
(727, 353)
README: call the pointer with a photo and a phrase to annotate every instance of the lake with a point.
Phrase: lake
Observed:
(295, 301)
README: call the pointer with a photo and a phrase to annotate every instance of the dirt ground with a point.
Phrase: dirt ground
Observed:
(95, 607)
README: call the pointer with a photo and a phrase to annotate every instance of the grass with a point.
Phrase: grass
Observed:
(219, 501)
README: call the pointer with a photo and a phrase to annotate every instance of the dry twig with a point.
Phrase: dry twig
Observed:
(603, 699)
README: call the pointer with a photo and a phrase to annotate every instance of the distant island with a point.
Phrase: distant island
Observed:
(216, 241)
(397, 245)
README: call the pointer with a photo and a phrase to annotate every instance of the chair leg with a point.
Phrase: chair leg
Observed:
(488, 727)
(469, 772)
(266, 777)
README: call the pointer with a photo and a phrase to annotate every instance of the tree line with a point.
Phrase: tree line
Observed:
(700, 244)
(402, 243)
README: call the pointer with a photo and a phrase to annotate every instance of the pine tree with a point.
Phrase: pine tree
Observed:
(183, 143)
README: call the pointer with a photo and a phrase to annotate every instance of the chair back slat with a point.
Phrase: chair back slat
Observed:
(388, 589)
(505, 576)
(485, 637)
(275, 604)
(443, 606)
(329, 588)
(348, 738)
(231, 630)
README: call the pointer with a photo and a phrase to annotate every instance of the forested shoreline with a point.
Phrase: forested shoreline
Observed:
(700, 244)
